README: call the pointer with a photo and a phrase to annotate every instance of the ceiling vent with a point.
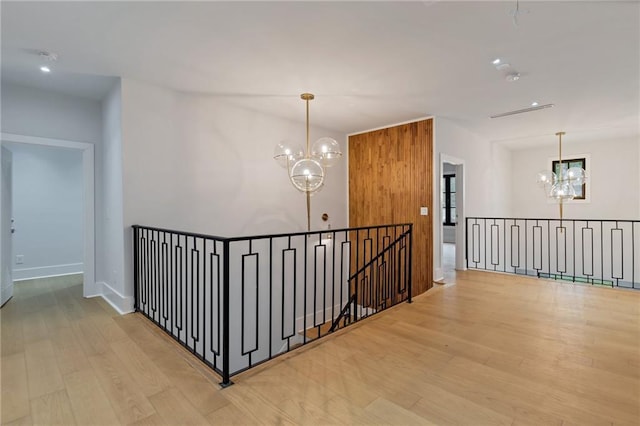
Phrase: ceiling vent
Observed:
(520, 111)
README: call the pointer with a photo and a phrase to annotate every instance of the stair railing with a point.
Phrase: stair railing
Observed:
(384, 282)
(238, 302)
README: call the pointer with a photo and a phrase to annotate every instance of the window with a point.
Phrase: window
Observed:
(449, 200)
(581, 190)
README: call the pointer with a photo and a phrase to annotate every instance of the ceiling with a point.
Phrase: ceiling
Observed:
(370, 64)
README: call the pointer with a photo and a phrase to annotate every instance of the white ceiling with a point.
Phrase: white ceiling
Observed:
(369, 63)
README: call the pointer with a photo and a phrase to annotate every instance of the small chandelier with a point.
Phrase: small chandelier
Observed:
(307, 168)
(561, 186)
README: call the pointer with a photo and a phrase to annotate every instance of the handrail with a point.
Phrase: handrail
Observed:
(352, 299)
(342, 313)
(557, 219)
(265, 236)
(375, 259)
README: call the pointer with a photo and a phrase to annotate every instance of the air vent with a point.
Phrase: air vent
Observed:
(520, 111)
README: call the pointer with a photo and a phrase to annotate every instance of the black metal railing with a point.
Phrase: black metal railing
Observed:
(238, 302)
(378, 284)
(601, 252)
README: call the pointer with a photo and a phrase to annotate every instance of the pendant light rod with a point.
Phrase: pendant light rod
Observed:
(308, 211)
(559, 135)
(307, 97)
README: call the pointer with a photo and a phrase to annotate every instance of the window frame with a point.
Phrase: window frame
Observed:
(555, 167)
(446, 191)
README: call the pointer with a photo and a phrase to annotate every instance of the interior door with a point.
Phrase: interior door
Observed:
(6, 228)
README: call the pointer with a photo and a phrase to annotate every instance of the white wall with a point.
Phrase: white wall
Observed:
(110, 231)
(197, 163)
(613, 176)
(486, 166)
(36, 112)
(48, 210)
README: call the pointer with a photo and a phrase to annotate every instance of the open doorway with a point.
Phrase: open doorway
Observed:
(53, 207)
(452, 216)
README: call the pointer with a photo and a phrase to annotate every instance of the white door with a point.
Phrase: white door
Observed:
(6, 228)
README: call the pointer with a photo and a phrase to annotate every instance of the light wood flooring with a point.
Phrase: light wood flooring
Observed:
(449, 262)
(491, 349)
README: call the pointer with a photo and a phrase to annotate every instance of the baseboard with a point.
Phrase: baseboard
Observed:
(300, 321)
(438, 274)
(47, 271)
(122, 304)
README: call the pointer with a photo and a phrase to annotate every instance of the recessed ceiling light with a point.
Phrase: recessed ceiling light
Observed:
(45, 69)
(534, 103)
(496, 61)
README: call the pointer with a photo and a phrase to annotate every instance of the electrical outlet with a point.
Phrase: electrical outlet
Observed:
(424, 211)
(19, 259)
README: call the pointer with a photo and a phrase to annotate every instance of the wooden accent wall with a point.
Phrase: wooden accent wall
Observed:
(390, 178)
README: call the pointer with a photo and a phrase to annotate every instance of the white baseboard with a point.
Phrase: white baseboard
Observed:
(438, 274)
(300, 323)
(122, 304)
(47, 271)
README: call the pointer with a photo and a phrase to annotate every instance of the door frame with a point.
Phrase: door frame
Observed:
(89, 288)
(460, 210)
(6, 223)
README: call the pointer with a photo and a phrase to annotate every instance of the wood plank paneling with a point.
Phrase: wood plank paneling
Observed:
(390, 178)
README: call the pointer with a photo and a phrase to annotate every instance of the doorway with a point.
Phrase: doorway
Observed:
(6, 228)
(86, 204)
(452, 216)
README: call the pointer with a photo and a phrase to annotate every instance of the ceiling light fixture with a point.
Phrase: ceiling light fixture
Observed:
(520, 111)
(512, 76)
(306, 169)
(47, 57)
(534, 104)
(496, 61)
(560, 186)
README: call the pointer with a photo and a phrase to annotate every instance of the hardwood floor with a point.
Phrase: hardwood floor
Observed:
(449, 262)
(490, 349)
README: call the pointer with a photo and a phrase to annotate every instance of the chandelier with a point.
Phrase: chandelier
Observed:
(307, 168)
(561, 186)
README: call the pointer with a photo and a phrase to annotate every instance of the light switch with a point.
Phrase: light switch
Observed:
(424, 211)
